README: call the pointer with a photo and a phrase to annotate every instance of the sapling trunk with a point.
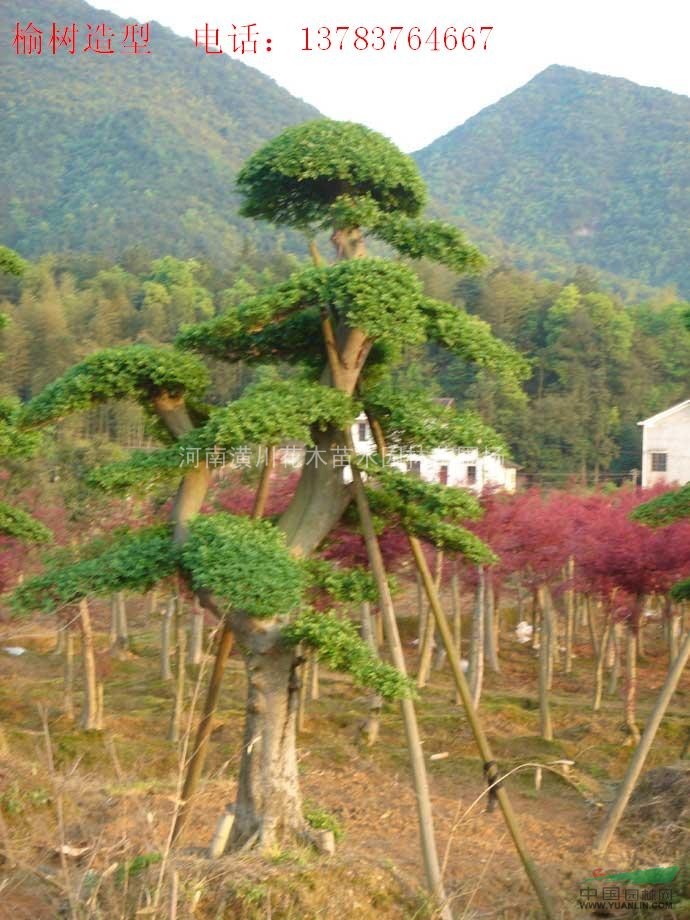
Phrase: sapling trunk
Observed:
(68, 676)
(642, 750)
(151, 602)
(456, 601)
(314, 687)
(195, 764)
(545, 727)
(599, 669)
(614, 657)
(166, 630)
(631, 682)
(429, 626)
(89, 716)
(490, 767)
(421, 787)
(673, 631)
(490, 644)
(476, 665)
(196, 638)
(122, 627)
(593, 638)
(370, 728)
(303, 677)
(180, 655)
(569, 616)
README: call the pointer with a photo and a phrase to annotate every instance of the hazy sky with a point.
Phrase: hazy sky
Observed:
(415, 97)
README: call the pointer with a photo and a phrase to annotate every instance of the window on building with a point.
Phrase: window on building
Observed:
(443, 475)
(362, 432)
(414, 467)
(659, 463)
(471, 475)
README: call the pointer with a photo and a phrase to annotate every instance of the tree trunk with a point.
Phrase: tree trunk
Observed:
(426, 650)
(370, 728)
(476, 668)
(166, 629)
(599, 670)
(569, 617)
(196, 638)
(303, 678)
(673, 631)
(614, 657)
(180, 654)
(89, 716)
(637, 762)
(314, 688)
(268, 808)
(151, 602)
(545, 726)
(591, 626)
(456, 601)
(68, 676)
(490, 766)
(414, 746)
(122, 628)
(195, 764)
(490, 645)
(631, 682)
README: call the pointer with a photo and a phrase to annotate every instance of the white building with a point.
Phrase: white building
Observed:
(666, 446)
(466, 467)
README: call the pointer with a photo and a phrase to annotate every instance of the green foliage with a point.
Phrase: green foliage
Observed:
(142, 471)
(428, 510)
(135, 866)
(665, 509)
(381, 297)
(344, 585)
(11, 263)
(296, 178)
(133, 561)
(471, 338)
(409, 416)
(17, 523)
(566, 170)
(428, 239)
(681, 590)
(137, 372)
(322, 820)
(341, 649)
(15, 444)
(244, 563)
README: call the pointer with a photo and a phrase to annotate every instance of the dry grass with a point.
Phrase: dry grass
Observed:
(118, 792)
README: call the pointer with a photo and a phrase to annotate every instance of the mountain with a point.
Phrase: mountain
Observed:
(575, 167)
(102, 152)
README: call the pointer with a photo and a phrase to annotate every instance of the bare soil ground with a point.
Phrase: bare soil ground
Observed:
(117, 790)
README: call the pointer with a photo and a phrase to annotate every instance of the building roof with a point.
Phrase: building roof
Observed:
(661, 415)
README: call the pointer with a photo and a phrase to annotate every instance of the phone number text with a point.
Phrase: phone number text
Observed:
(396, 38)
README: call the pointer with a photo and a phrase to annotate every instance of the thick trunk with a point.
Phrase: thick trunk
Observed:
(476, 668)
(320, 498)
(268, 809)
(89, 717)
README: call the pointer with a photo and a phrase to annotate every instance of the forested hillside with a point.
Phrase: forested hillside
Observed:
(575, 167)
(101, 152)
